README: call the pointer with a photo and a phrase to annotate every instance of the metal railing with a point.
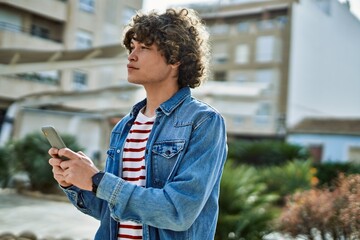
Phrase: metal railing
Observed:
(35, 31)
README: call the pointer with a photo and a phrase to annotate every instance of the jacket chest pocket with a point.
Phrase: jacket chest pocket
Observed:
(164, 158)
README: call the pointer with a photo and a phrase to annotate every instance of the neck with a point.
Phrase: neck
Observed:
(156, 96)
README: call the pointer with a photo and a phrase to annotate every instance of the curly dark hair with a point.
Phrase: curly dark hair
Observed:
(180, 36)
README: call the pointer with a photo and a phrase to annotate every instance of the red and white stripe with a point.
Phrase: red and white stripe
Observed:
(133, 168)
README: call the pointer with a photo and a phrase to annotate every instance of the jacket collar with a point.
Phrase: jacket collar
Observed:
(168, 106)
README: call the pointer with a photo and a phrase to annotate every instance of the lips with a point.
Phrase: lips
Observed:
(130, 66)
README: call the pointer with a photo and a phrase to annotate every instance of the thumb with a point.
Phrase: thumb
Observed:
(81, 153)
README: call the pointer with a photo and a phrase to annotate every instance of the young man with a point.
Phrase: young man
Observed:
(165, 160)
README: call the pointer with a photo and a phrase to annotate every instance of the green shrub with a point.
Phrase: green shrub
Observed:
(292, 177)
(245, 208)
(265, 153)
(31, 155)
(5, 163)
(328, 172)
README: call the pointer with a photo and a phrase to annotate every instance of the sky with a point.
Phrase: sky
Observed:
(162, 4)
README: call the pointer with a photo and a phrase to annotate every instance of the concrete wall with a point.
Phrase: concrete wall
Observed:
(325, 62)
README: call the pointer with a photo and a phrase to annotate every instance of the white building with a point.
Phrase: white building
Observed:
(281, 61)
(324, 65)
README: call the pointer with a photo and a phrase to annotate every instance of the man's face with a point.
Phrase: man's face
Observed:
(147, 65)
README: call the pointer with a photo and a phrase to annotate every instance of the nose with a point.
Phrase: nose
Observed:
(132, 56)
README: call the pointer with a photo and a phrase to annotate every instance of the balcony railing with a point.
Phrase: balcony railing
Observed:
(35, 31)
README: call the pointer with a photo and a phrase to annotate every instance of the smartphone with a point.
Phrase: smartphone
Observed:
(54, 138)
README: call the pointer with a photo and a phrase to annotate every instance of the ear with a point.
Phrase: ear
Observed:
(175, 65)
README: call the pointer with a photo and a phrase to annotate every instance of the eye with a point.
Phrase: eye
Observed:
(131, 48)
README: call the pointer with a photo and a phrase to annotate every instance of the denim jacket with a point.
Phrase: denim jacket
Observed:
(185, 155)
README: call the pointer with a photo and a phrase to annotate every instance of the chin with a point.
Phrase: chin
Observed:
(134, 81)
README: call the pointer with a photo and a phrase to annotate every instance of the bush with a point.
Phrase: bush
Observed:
(5, 163)
(327, 172)
(325, 214)
(245, 208)
(292, 177)
(31, 155)
(265, 153)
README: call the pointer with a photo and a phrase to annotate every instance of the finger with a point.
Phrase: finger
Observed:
(57, 170)
(61, 180)
(81, 153)
(58, 174)
(54, 162)
(69, 153)
(53, 152)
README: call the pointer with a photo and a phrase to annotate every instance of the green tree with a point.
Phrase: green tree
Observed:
(31, 155)
(245, 208)
(294, 176)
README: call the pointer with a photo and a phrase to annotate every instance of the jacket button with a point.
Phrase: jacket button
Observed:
(118, 151)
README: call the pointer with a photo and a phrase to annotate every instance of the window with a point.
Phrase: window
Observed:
(40, 31)
(266, 25)
(242, 54)
(282, 21)
(51, 77)
(266, 76)
(87, 5)
(10, 21)
(354, 154)
(267, 49)
(80, 81)
(243, 27)
(2, 117)
(240, 77)
(220, 54)
(219, 29)
(238, 120)
(84, 39)
(220, 76)
(316, 152)
(264, 109)
(263, 113)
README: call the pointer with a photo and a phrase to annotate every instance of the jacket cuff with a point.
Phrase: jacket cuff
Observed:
(109, 186)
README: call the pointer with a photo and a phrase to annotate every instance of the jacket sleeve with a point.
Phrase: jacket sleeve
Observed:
(176, 205)
(85, 201)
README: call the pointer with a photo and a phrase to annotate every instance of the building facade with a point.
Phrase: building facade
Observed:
(61, 28)
(276, 62)
(250, 62)
(273, 61)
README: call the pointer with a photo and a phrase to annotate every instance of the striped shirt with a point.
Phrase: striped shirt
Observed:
(134, 168)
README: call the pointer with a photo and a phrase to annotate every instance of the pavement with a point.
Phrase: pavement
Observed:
(45, 218)
(54, 218)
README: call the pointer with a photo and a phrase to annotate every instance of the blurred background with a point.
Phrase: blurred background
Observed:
(285, 74)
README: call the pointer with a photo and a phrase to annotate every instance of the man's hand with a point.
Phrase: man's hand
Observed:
(77, 171)
(58, 173)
